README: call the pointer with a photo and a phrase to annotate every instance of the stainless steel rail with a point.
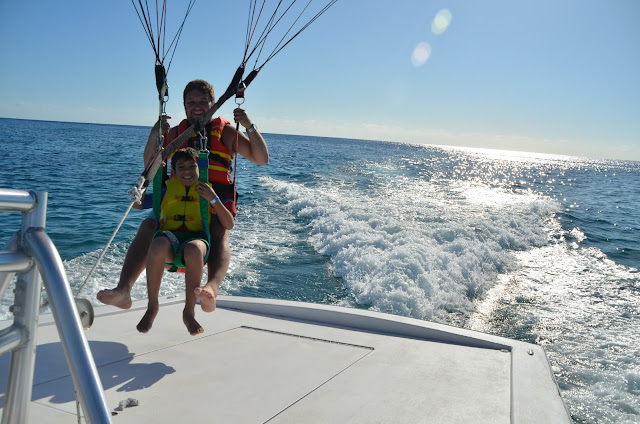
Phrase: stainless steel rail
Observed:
(32, 246)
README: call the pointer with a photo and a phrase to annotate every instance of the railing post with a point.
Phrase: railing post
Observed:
(20, 338)
(83, 369)
(26, 311)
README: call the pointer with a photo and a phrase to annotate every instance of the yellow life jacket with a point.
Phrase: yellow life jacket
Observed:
(180, 208)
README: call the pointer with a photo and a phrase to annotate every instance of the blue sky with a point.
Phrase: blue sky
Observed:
(546, 76)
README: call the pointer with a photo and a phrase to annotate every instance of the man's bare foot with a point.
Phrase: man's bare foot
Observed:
(147, 320)
(115, 297)
(192, 325)
(207, 298)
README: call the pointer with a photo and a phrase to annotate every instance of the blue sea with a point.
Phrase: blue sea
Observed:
(539, 248)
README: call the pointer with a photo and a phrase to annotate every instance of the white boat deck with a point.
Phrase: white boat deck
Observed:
(272, 361)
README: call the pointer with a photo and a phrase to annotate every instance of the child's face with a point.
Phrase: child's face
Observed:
(187, 172)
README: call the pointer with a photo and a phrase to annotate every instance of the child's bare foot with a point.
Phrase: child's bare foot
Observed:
(192, 325)
(115, 297)
(207, 298)
(147, 320)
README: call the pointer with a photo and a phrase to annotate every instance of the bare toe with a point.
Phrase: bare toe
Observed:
(192, 325)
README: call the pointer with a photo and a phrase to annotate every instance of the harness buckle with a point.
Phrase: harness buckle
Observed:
(201, 142)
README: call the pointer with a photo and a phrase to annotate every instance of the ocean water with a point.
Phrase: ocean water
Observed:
(539, 248)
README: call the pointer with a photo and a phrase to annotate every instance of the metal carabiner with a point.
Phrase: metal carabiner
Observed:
(240, 93)
(201, 143)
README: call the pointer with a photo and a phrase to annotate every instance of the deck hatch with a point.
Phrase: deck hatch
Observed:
(245, 374)
(307, 337)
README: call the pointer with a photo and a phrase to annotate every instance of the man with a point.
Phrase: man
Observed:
(198, 98)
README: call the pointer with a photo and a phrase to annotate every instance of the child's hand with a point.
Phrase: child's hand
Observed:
(206, 191)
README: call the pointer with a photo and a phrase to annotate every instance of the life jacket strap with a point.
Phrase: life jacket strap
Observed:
(203, 175)
(181, 218)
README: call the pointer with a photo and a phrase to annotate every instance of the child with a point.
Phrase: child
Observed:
(183, 236)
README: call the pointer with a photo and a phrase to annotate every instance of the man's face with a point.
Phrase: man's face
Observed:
(187, 172)
(196, 104)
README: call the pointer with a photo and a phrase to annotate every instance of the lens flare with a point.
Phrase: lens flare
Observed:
(441, 22)
(420, 54)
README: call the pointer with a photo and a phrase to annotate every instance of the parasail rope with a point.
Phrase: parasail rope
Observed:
(105, 249)
(273, 22)
(158, 41)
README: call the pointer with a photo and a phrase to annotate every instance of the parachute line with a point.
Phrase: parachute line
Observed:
(276, 19)
(145, 24)
(251, 26)
(157, 35)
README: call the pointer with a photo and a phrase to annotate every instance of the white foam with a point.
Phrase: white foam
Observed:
(417, 249)
(583, 308)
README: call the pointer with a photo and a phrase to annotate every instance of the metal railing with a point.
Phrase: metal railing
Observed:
(33, 257)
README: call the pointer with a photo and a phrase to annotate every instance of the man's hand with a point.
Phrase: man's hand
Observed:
(240, 116)
(165, 124)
